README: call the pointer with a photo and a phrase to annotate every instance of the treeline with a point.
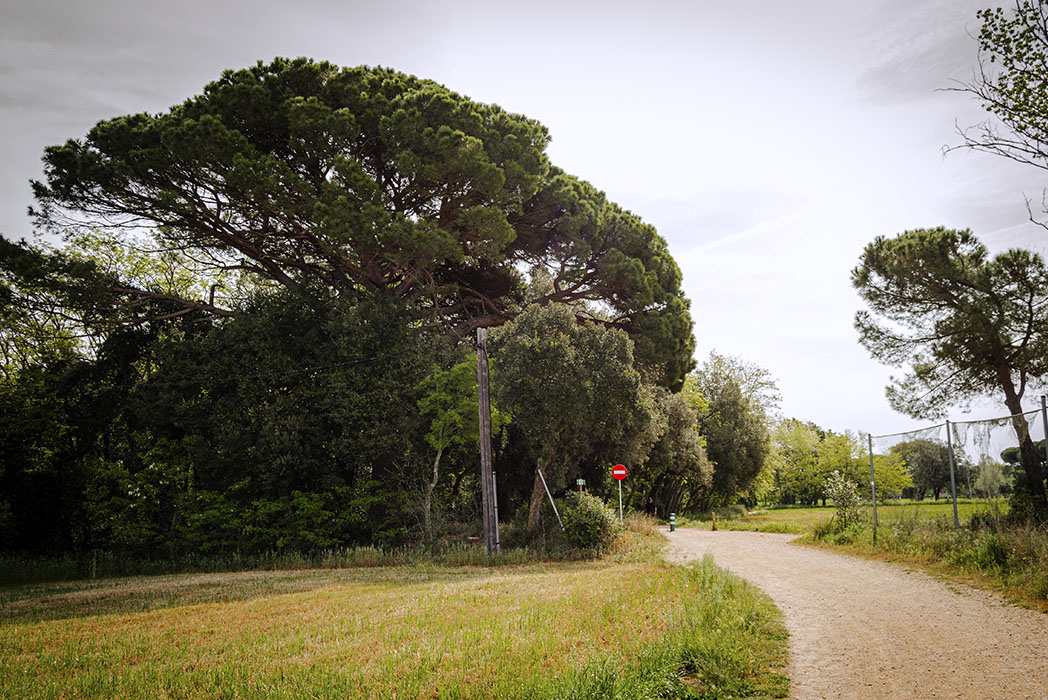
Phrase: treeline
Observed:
(257, 335)
(803, 456)
(278, 431)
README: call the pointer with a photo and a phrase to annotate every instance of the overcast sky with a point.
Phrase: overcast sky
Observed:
(767, 141)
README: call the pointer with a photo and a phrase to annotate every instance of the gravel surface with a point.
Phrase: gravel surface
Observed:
(866, 629)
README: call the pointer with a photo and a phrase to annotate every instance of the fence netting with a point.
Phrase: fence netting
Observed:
(985, 458)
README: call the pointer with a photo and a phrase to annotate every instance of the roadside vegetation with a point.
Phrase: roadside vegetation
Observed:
(1011, 558)
(626, 625)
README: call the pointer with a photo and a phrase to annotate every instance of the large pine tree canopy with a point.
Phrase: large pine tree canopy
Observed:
(341, 182)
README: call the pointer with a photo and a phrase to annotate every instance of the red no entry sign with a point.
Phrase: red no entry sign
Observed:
(619, 472)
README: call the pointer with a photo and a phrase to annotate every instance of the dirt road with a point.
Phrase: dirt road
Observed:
(865, 629)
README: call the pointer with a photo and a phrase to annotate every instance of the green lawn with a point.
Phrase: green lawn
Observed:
(802, 520)
(627, 626)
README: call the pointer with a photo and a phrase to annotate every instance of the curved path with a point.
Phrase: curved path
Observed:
(866, 629)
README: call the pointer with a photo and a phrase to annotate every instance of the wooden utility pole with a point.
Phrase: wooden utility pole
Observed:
(487, 479)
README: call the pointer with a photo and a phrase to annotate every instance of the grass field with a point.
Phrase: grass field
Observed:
(626, 626)
(802, 520)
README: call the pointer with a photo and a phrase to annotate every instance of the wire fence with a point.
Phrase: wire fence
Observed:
(978, 459)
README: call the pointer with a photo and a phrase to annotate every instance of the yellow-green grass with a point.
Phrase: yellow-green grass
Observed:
(802, 520)
(631, 626)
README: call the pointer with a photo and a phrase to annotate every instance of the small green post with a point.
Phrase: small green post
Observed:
(673, 522)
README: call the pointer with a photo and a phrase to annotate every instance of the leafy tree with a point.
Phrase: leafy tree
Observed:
(340, 182)
(928, 462)
(676, 473)
(969, 326)
(1011, 82)
(45, 303)
(449, 403)
(794, 462)
(839, 453)
(804, 455)
(739, 398)
(992, 479)
(889, 471)
(573, 393)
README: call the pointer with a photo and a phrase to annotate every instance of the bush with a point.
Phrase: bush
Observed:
(847, 501)
(588, 523)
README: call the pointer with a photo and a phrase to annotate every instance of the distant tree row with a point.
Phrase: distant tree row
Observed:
(803, 456)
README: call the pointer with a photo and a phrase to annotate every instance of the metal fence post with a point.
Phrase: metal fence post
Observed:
(1044, 420)
(953, 480)
(873, 489)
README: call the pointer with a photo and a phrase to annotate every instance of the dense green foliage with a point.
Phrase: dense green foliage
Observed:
(734, 418)
(335, 182)
(803, 456)
(257, 433)
(968, 325)
(255, 340)
(677, 475)
(575, 396)
(928, 462)
(588, 522)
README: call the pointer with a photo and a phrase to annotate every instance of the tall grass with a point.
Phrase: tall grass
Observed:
(626, 626)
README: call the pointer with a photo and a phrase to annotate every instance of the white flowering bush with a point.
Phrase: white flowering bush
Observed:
(847, 501)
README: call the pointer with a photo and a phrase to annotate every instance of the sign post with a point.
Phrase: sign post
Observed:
(619, 472)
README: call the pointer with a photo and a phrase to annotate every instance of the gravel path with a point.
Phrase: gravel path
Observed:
(866, 629)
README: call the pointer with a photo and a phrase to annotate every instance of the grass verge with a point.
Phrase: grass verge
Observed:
(629, 625)
(1011, 560)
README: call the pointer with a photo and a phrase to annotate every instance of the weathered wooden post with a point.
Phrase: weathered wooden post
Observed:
(487, 479)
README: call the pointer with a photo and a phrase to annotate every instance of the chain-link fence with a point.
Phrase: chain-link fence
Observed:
(977, 459)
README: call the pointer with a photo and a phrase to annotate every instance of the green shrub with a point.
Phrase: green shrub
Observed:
(588, 523)
(732, 512)
(847, 501)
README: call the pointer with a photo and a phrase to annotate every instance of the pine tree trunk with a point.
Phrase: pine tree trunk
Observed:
(1028, 453)
(427, 498)
(535, 509)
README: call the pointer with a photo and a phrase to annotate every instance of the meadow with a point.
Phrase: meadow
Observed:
(626, 625)
(802, 520)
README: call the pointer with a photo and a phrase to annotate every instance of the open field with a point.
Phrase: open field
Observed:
(627, 626)
(799, 520)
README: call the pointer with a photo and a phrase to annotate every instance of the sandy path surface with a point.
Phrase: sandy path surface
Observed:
(865, 629)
